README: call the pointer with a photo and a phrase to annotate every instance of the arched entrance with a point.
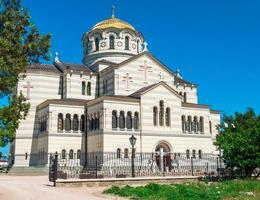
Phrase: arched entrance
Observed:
(163, 155)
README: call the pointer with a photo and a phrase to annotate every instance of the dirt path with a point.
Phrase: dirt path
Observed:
(39, 188)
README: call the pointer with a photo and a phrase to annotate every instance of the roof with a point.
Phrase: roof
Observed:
(177, 79)
(76, 102)
(113, 23)
(43, 67)
(114, 98)
(63, 66)
(143, 90)
(193, 105)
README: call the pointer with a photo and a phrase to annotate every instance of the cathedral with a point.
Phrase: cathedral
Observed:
(119, 90)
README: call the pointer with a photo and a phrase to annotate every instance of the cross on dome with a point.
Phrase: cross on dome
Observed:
(113, 11)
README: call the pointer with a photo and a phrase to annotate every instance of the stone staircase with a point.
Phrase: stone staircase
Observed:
(28, 171)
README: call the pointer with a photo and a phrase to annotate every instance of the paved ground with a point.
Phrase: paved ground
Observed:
(39, 188)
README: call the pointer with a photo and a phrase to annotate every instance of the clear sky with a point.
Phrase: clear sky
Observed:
(215, 43)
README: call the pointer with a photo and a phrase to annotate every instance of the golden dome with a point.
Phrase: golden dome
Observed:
(113, 23)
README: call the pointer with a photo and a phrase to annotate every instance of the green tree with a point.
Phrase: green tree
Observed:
(239, 141)
(20, 45)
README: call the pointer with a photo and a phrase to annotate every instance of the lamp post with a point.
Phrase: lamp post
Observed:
(132, 140)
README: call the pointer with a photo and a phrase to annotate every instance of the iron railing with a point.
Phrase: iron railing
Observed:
(108, 165)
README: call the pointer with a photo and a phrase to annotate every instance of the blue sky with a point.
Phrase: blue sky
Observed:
(214, 43)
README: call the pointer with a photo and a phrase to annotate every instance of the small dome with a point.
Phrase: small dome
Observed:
(113, 23)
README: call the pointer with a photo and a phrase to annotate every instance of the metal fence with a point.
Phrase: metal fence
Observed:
(108, 165)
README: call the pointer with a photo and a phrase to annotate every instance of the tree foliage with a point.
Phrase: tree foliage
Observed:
(20, 45)
(239, 141)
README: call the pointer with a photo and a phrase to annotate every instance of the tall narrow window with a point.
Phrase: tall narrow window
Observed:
(89, 89)
(200, 154)
(180, 93)
(63, 154)
(75, 123)
(168, 117)
(161, 114)
(183, 123)
(97, 44)
(193, 153)
(189, 125)
(122, 120)
(195, 124)
(104, 87)
(118, 153)
(82, 123)
(136, 121)
(126, 153)
(78, 154)
(210, 127)
(185, 97)
(138, 44)
(188, 154)
(201, 125)
(71, 154)
(155, 116)
(126, 43)
(83, 88)
(111, 42)
(129, 123)
(114, 119)
(60, 122)
(68, 122)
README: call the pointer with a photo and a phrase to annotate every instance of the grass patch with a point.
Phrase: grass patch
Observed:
(227, 190)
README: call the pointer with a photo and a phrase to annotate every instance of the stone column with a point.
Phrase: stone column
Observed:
(161, 159)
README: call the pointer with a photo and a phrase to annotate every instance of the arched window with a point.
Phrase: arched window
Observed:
(136, 121)
(114, 119)
(194, 124)
(180, 93)
(97, 44)
(89, 89)
(188, 154)
(94, 121)
(111, 42)
(189, 124)
(71, 154)
(210, 127)
(201, 125)
(183, 123)
(168, 117)
(129, 123)
(161, 113)
(138, 44)
(185, 97)
(126, 153)
(155, 116)
(98, 121)
(60, 122)
(63, 154)
(83, 88)
(126, 43)
(90, 122)
(68, 122)
(118, 153)
(82, 123)
(193, 153)
(122, 120)
(78, 154)
(75, 123)
(200, 154)
(104, 87)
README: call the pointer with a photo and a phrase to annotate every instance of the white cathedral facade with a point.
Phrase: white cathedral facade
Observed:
(120, 90)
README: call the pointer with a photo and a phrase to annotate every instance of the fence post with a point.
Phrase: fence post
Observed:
(217, 166)
(55, 167)
(191, 162)
(96, 164)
